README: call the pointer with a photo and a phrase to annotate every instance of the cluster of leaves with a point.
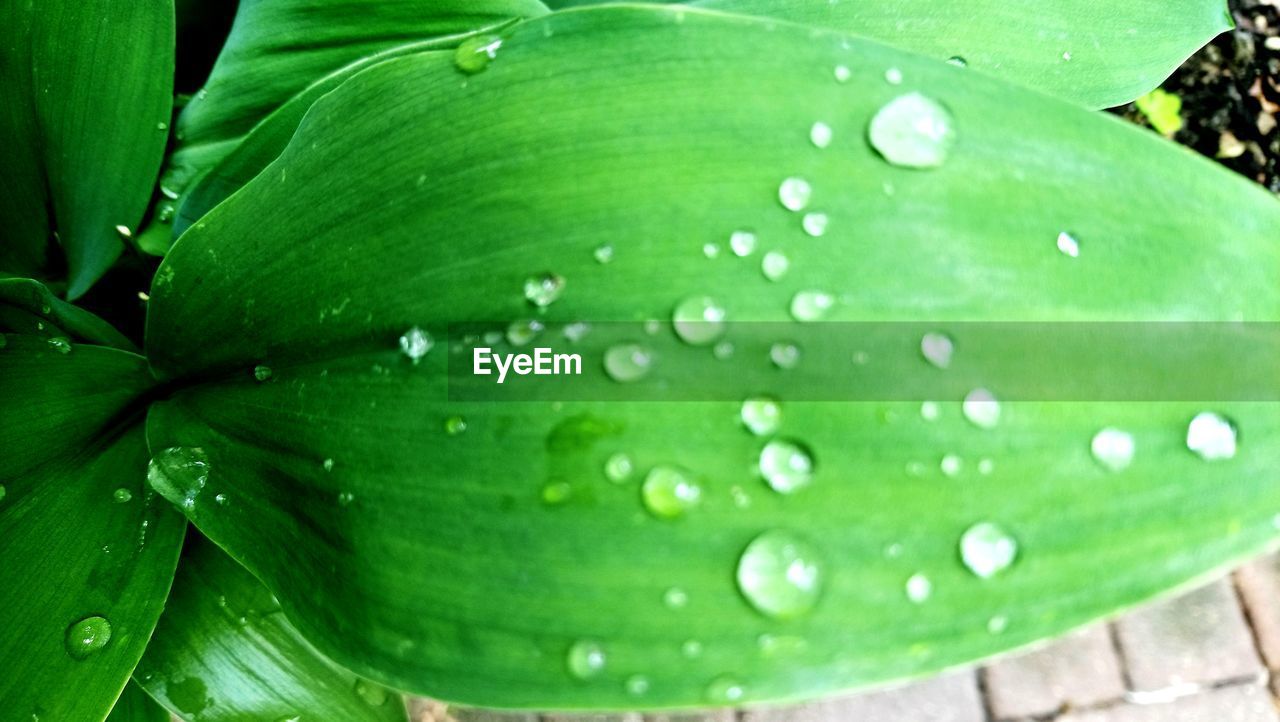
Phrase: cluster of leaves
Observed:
(338, 180)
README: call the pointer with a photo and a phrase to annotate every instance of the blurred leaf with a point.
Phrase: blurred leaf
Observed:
(81, 536)
(1163, 110)
(429, 560)
(1094, 52)
(87, 93)
(136, 705)
(223, 651)
(27, 307)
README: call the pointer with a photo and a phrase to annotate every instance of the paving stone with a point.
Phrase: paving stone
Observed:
(1239, 703)
(487, 715)
(950, 698)
(1198, 638)
(1259, 585)
(1080, 670)
(714, 715)
(564, 717)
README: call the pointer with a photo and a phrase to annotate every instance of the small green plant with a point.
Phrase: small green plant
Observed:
(355, 178)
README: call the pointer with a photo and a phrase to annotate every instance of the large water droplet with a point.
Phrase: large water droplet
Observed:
(811, 305)
(1212, 436)
(699, 320)
(179, 474)
(122, 495)
(261, 373)
(743, 243)
(1068, 244)
(586, 659)
(60, 344)
(415, 343)
(784, 355)
(669, 492)
(820, 135)
(1112, 448)
(981, 409)
(815, 224)
(543, 289)
(87, 636)
(987, 549)
(762, 415)
(937, 349)
(786, 465)
(795, 193)
(919, 588)
(913, 131)
(725, 690)
(779, 575)
(475, 53)
(374, 695)
(627, 362)
(774, 265)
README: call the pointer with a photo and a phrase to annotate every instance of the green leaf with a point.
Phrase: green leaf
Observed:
(72, 550)
(28, 307)
(277, 48)
(1094, 52)
(428, 560)
(223, 651)
(87, 94)
(136, 705)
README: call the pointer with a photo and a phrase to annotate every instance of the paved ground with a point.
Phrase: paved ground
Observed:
(1212, 655)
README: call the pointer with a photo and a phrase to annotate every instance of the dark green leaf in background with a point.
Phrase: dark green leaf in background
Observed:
(88, 549)
(87, 90)
(28, 307)
(486, 566)
(135, 705)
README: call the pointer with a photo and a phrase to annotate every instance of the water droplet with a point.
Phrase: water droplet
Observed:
(820, 135)
(774, 265)
(1212, 436)
(87, 636)
(958, 61)
(814, 224)
(842, 74)
(699, 320)
(725, 690)
(743, 243)
(930, 411)
(691, 649)
(637, 684)
(520, 333)
(586, 659)
(675, 598)
(543, 289)
(603, 254)
(937, 349)
(328, 464)
(122, 495)
(455, 425)
(795, 193)
(179, 474)
(618, 468)
(627, 362)
(987, 549)
(262, 373)
(913, 131)
(986, 466)
(723, 350)
(1068, 244)
(762, 415)
(556, 492)
(374, 695)
(711, 250)
(60, 344)
(415, 343)
(811, 305)
(981, 409)
(669, 492)
(1067, 56)
(777, 645)
(784, 355)
(475, 53)
(124, 232)
(1112, 448)
(345, 498)
(951, 465)
(997, 624)
(577, 331)
(220, 498)
(779, 575)
(919, 588)
(787, 466)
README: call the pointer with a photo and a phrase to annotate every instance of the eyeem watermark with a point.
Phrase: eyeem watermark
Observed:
(542, 362)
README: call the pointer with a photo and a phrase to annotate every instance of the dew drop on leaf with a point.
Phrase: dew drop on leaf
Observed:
(987, 549)
(586, 659)
(794, 193)
(815, 224)
(811, 305)
(521, 333)
(60, 344)
(374, 695)
(787, 466)
(637, 685)
(919, 588)
(1211, 436)
(937, 349)
(122, 495)
(691, 649)
(1068, 245)
(179, 474)
(774, 265)
(618, 467)
(627, 362)
(455, 425)
(913, 131)
(725, 690)
(675, 598)
(842, 73)
(543, 289)
(415, 343)
(893, 76)
(699, 320)
(669, 492)
(930, 411)
(784, 355)
(1113, 448)
(261, 373)
(981, 409)
(742, 243)
(475, 53)
(951, 465)
(820, 135)
(87, 636)
(779, 575)
(958, 61)
(603, 254)
(761, 415)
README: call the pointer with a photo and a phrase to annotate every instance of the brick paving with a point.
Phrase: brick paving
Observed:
(1211, 655)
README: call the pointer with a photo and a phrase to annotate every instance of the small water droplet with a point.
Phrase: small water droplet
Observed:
(618, 468)
(761, 415)
(774, 265)
(455, 425)
(815, 224)
(262, 373)
(345, 498)
(987, 549)
(1066, 56)
(723, 350)
(784, 355)
(913, 131)
(893, 76)
(637, 685)
(794, 193)
(627, 362)
(374, 695)
(520, 333)
(787, 466)
(779, 575)
(930, 411)
(986, 466)
(556, 492)
(1211, 436)
(743, 243)
(543, 289)
(937, 349)
(125, 232)
(811, 305)
(220, 498)
(699, 320)
(919, 588)
(577, 331)
(842, 74)
(1112, 448)
(675, 598)
(951, 465)
(603, 254)
(997, 624)
(179, 474)
(328, 464)
(586, 659)
(1068, 244)
(958, 61)
(725, 690)
(981, 409)
(475, 53)
(669, 492)
(711, 250)
(820, 135)
(691, 649)
(122, 495)
(415, 343)
(60, 344)
(87, 636)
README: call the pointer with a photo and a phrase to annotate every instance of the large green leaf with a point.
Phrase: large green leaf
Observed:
(223, 651)
(1095, 52)
(279, 47)
(87, 91)
(28, 307)
(135, 705)
(81, 535)
(429, 559)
